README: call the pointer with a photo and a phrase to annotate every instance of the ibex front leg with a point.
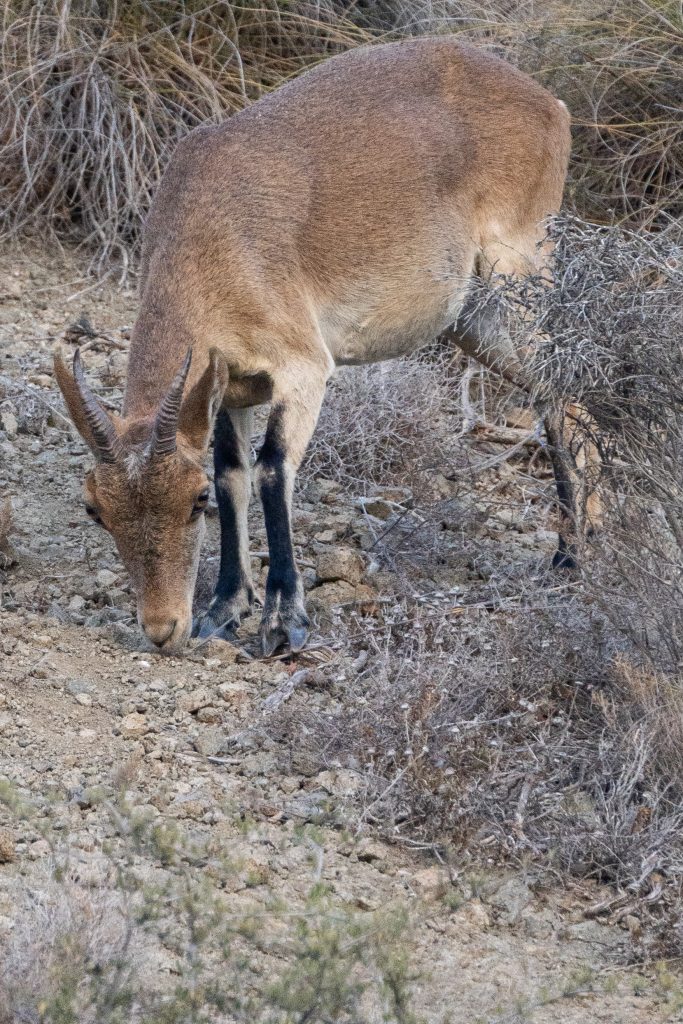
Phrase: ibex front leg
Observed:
(294, 413)
(234, 593)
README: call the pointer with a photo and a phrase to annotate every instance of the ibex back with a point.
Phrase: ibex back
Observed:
(341, 219)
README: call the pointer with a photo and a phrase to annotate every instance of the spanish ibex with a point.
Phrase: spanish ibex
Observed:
(341, 219)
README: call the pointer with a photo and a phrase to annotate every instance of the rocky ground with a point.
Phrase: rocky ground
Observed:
(88, 713)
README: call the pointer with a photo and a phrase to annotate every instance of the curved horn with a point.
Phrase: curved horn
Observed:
(107, 445)
(166, 422)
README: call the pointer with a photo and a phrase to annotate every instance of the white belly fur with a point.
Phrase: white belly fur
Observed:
(355, 335)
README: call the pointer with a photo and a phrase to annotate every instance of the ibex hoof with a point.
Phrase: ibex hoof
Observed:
(205, 626)
(223, 617)
(289, 625)
(565, 558)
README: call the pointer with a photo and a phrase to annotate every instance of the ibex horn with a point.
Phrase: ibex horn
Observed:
(106, 440)
(166, 422)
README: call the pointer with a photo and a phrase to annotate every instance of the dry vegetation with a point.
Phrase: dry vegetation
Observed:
(536, 714)
(103, 91)
(531, 716)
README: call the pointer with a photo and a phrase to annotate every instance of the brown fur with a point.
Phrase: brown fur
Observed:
(338, 220)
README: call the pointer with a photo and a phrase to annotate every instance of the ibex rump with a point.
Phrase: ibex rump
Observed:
(341, 219)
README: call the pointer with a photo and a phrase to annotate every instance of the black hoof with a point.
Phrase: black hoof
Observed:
(565, 558)
(287, 623)
(222, 618)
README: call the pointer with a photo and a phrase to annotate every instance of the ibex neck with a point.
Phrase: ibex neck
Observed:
(159, 343)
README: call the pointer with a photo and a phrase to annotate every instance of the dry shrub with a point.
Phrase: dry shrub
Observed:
(612, 329)
(383, 423)
(540, 717)
(502, 729)
(158, 939)
(653, 701)
(94, 96)
(63, 935)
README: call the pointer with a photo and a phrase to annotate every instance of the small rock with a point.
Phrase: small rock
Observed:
(41, 848)
(327, 598)
(305, 763)
(10, 288)
(369, 850)
(193, 701)
(76, 686)
(209, 715)
(632, 923)
(84, 699)
(379, 508)
(473, 913)
(220, 652)
(431, 883)
(8, 852)
(9, 422)
(234, 693)
(326, 536)
(105, 578)
(134, 724)
(210, 742)
(41, 380)
(340, 564)
(510, 899)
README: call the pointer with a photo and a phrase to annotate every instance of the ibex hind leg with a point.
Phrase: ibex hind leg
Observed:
(573, 453)
(296, 404)
(571, 435)
(234, 593)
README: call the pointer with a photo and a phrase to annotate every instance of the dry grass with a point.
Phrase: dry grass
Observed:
(103, 93)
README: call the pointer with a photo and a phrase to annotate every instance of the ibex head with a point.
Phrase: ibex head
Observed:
(149, 488)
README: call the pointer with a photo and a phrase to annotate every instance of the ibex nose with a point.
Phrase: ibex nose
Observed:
(159, 631)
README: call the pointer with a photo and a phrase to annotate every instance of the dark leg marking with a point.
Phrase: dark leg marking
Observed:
(228, 457)
(234, 593)
(284, 615)
(561, 458)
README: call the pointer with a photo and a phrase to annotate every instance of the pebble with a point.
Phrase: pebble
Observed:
(193, 701)
(431, 883)
(41, 848)
(234, 693)
(211, 742)
(340, 564)
(9, 422)
(134, 724)
(105, 578)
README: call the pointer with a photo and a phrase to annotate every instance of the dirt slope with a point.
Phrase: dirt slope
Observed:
(85, 707)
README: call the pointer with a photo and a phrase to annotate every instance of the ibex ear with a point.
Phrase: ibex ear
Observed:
(200, 408)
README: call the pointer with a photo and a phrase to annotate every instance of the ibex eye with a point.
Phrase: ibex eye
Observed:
(200, 503)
